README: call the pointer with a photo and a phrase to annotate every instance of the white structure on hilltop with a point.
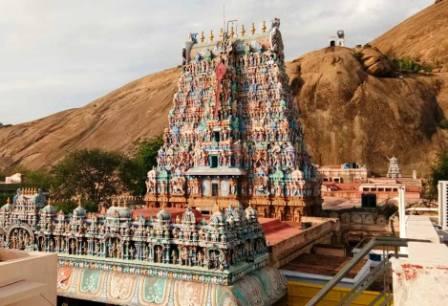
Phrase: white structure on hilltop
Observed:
(340, 42)
(443, 204)
(394, 168)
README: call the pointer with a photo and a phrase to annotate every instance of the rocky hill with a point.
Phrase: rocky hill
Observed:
(422, 37)
(116, 121)
(349, 114)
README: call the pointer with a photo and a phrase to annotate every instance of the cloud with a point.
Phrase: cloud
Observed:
(60, 54)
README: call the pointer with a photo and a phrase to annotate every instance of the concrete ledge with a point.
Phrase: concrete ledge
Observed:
(20, 291)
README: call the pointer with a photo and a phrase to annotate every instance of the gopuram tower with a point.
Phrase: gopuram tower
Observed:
(234, 137)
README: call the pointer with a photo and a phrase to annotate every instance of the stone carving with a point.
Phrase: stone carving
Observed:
(233, 129)
(151, 181)
(276, 38)
(189, 241)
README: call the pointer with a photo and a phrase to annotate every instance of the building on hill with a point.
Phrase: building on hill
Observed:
(16, 178)
(345, 173)
(394, 168)
(233, 134)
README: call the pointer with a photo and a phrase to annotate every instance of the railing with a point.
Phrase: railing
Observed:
(381, 269)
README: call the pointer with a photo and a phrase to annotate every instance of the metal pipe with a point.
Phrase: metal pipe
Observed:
(375, 242)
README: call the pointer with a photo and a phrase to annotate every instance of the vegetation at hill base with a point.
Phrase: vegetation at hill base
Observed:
(408, 65)
(92, 176)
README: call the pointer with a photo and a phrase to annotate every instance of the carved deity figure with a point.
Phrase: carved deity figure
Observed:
(297, 217)
(151, 181)
(174, 256)
(158, 252)
(275, 38)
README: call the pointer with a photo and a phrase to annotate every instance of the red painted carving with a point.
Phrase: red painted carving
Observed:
(220, 71)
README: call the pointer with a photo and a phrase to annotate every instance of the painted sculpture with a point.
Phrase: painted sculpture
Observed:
(234, 144)
(233, 132)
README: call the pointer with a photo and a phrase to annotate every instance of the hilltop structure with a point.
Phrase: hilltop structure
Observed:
(234, 137)
(394, 168)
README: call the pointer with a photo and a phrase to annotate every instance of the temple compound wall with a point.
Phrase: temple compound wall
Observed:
(113, 258)
(234, 135)
(421, 277)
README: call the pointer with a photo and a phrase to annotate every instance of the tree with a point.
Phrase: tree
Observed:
(438, 173)
(91, 174)
(65, 206)
(146, 152)
(134, 171)
(37, 178)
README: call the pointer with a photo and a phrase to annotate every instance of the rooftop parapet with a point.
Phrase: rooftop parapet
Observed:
(221, 250)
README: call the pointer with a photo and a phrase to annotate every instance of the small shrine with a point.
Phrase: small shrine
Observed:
(394, 168)
(234, 137)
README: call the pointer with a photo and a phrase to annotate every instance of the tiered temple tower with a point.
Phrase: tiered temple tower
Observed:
(394, 168)
(234, 136)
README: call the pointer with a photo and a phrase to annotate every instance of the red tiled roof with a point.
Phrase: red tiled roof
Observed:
(342, 186)
(277, 231)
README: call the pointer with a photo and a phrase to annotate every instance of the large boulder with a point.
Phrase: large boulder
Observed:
(373, 61)
(350, 114)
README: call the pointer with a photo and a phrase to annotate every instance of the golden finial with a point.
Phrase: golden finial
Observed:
(243, 30)
(253, 28)
(202, 37)
(264, 27)
(221, 34)
(212, 37)
(232, 31)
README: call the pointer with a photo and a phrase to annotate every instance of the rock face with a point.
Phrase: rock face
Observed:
(373, 61)
(114, 122)
(349, 113)
(423, 37)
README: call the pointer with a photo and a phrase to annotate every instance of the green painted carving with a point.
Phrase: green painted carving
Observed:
(90, 281)
(154, 290)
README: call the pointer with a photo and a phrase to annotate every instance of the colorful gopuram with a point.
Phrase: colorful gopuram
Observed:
(234, 137)
(233, 151)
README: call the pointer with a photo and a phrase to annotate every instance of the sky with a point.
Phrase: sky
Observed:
(58, 54)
